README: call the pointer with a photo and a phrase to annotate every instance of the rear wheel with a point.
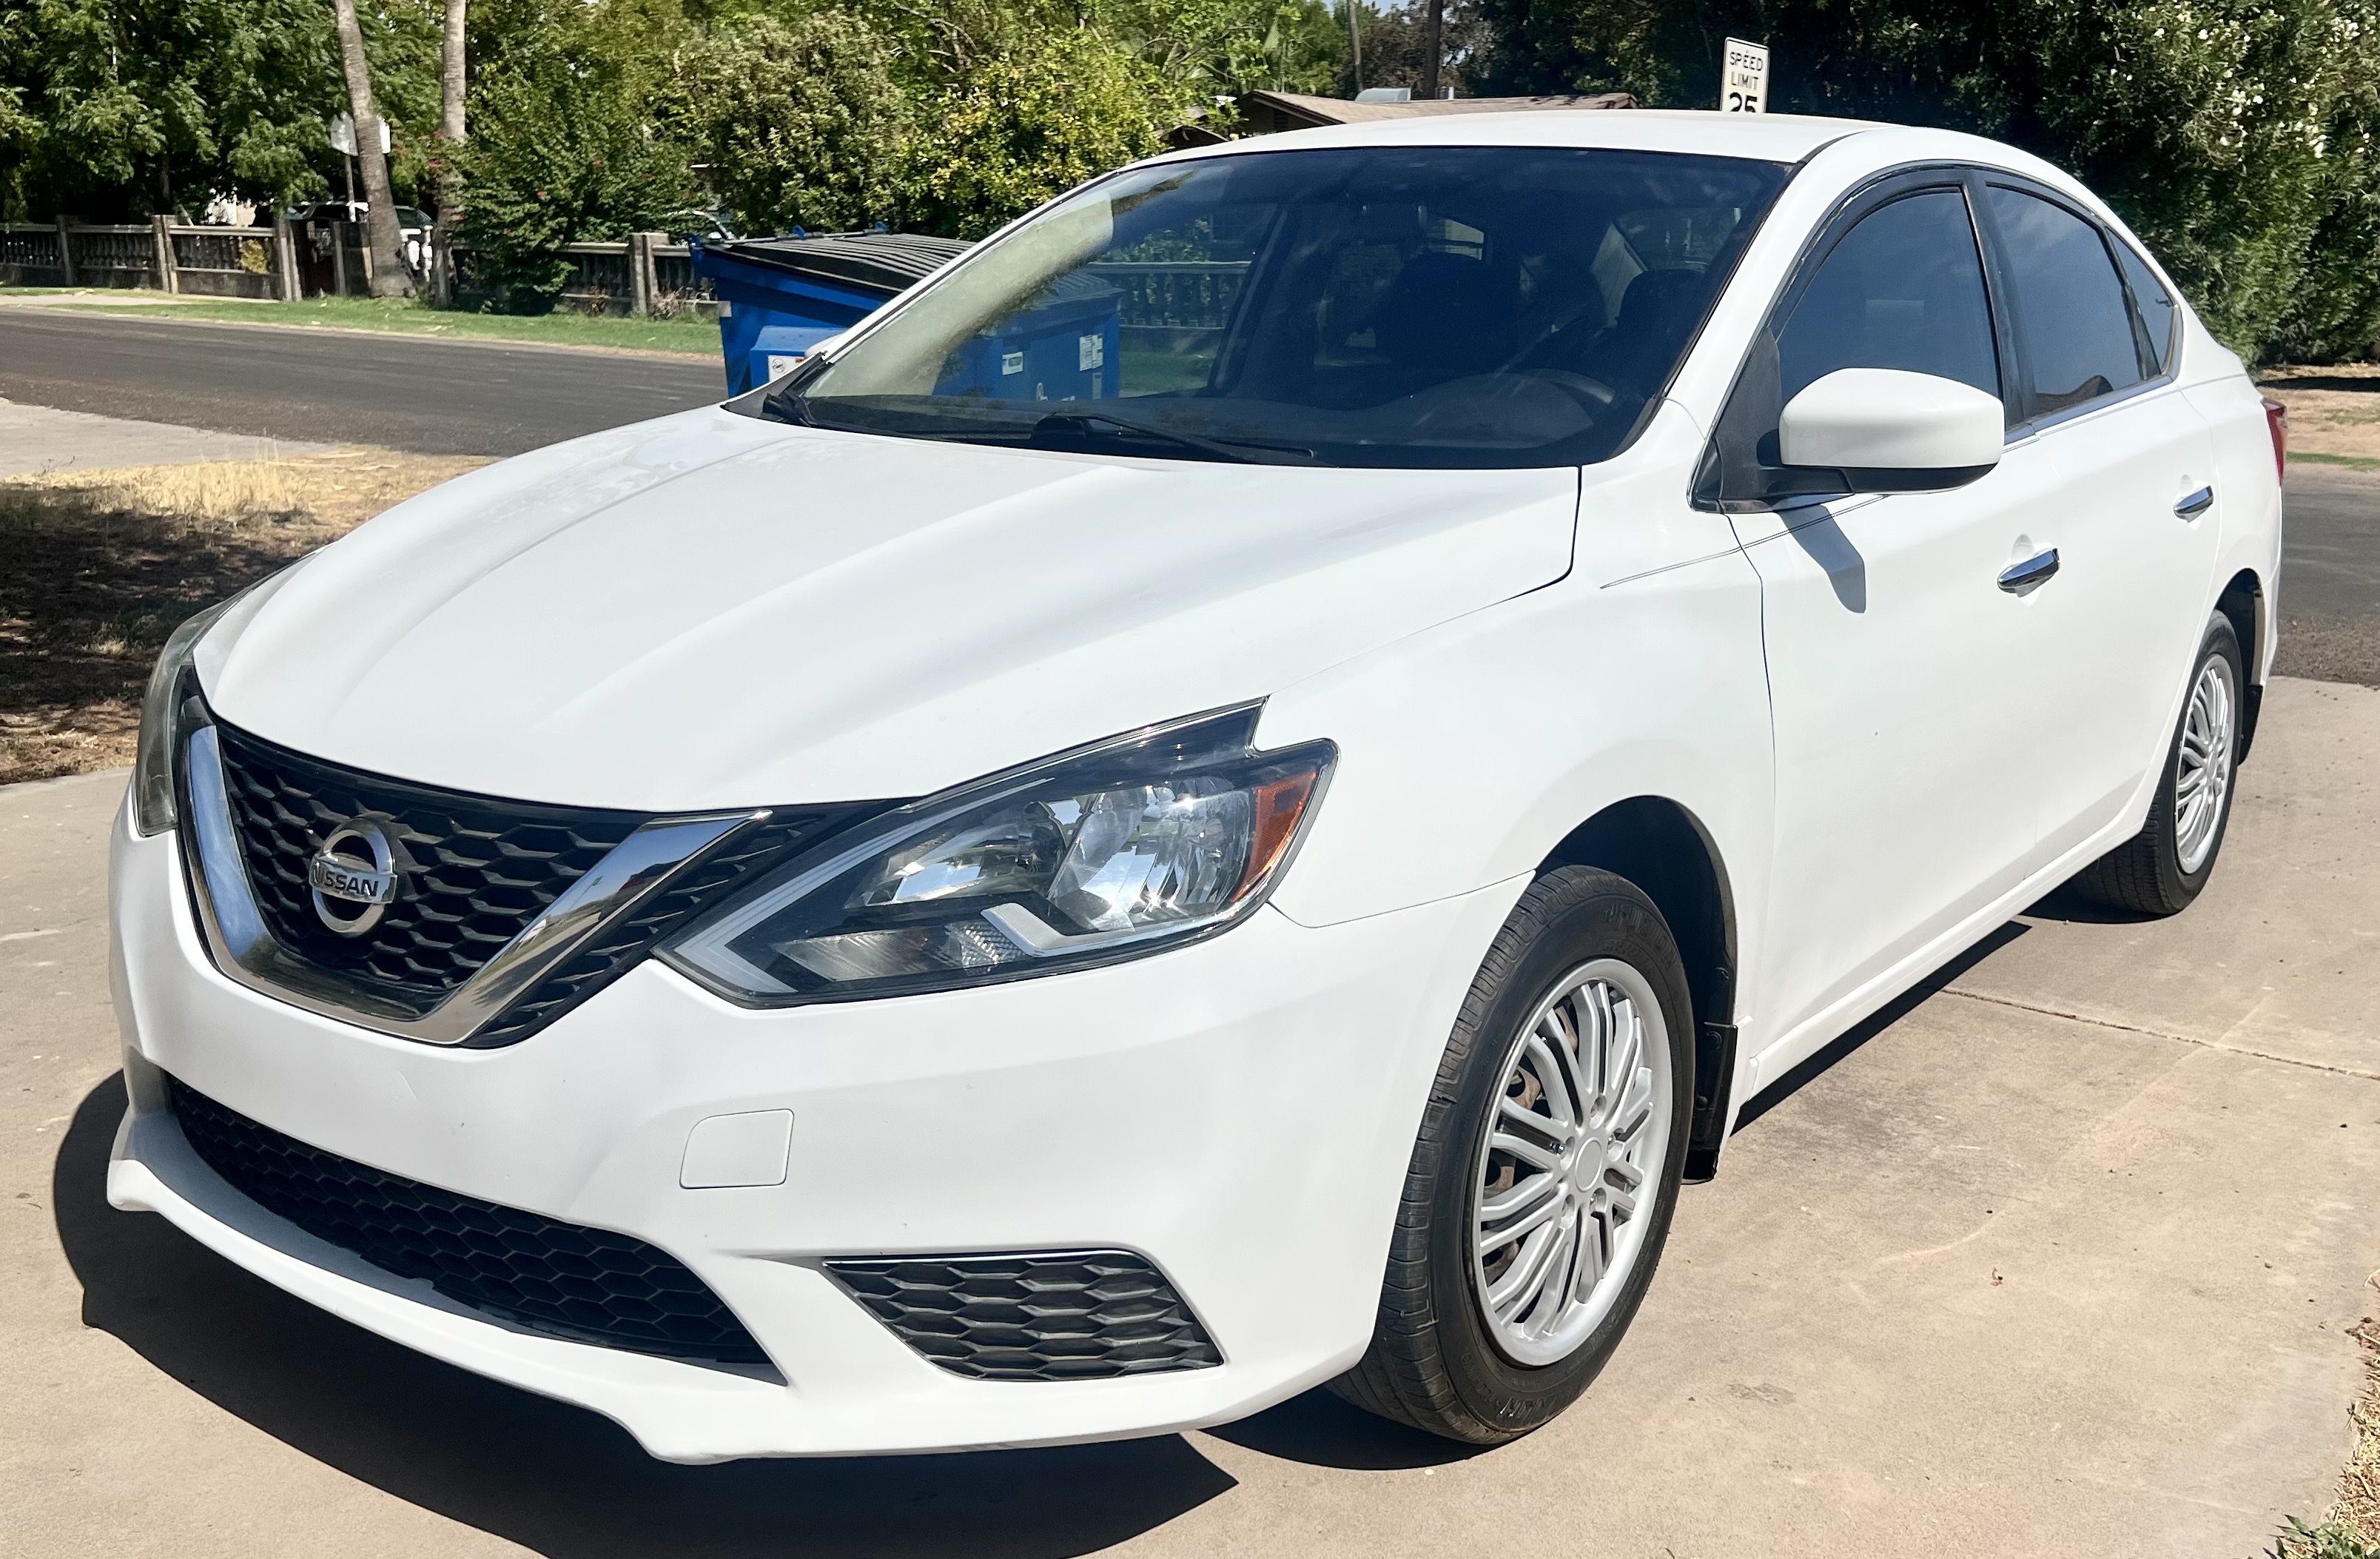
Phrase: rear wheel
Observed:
(1542, 1183)
(2160, 870)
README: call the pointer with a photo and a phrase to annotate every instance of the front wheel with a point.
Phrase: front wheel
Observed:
(2160, 870)
(1542, 1182)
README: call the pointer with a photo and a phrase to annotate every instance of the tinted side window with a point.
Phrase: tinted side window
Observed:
(2156, 307)
(2071, 316)
(1902, 289)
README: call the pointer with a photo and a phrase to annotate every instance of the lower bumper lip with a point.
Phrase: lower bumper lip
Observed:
(1239, 1112)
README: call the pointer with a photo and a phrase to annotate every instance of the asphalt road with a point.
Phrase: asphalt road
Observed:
(433, 397)
(2330, 575)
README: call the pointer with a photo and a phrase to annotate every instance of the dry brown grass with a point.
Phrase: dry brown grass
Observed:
(2358, 1487)
(2332, 410)
(97, 567)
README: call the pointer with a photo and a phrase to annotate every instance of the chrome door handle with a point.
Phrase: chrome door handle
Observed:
(2032, 571)
(2196, 504)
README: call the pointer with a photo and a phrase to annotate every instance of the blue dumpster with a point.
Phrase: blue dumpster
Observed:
(1063, 346)
(780, 297)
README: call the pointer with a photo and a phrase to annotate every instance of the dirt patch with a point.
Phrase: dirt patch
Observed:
(97, 567)
(2329, 651)
(2332, 410)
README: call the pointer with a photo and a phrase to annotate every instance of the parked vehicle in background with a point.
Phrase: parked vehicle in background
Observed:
(413, 225)
(1227, 797)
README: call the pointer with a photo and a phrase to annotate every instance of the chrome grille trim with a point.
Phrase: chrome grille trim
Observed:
(245, 951)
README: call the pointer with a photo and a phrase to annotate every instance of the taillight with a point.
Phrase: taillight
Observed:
(2276, 419)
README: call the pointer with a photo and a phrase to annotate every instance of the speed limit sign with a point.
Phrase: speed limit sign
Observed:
(1744, 79)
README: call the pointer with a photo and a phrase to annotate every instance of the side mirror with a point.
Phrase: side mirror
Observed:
(1890, 430)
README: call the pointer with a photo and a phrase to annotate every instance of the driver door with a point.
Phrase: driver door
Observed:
(1900, 672)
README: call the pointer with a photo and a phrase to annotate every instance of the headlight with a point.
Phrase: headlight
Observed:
(1123, 849)
(161, 722)
(170, 686)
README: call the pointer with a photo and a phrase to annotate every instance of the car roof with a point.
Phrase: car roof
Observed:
(1780, 138)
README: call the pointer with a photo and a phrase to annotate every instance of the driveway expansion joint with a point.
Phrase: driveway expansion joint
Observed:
(2162, 1034)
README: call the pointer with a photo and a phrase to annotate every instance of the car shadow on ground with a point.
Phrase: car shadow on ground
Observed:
(568, 1483)
(1909, 1000)
(2072, 904)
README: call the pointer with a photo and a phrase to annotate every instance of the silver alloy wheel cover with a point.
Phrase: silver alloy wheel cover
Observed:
(1570, 1168)
(2202, 762)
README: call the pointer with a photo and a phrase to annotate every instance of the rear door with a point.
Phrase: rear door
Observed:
(2133, 524)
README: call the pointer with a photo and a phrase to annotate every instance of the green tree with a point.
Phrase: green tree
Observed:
(2233, 135)
(1026, 126)
(114, 108)
(799, 122)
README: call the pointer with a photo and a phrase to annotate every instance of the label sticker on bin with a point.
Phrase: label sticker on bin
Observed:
(1090, 351)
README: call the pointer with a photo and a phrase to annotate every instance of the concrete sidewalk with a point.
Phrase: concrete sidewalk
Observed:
(2059, 1257)
(39, 440)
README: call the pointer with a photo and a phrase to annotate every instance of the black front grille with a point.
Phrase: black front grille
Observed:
(476, 869)
(590, 1286)
(1063, 1316)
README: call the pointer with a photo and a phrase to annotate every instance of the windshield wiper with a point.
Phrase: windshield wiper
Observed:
(1080, 423)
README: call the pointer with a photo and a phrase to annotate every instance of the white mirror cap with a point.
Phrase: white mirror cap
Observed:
(1890, 420)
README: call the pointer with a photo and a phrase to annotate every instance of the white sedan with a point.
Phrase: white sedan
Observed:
(1226, 797)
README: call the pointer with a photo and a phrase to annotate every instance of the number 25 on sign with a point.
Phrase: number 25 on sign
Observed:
(1743, 82)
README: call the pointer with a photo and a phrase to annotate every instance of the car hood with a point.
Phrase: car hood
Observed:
(714, 611)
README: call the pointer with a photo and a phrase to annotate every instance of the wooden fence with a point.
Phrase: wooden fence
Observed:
(162, 254)
(645, 274)
(642, 274)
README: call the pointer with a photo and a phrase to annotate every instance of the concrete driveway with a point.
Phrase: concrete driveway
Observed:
(2058, 1257)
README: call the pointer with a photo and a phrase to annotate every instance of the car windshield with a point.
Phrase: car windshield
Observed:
(1390, 305)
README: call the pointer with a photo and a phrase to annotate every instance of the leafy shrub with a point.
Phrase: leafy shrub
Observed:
(799, 123)
(562, 151)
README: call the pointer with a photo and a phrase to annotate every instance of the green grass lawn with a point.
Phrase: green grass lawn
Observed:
(692, 337)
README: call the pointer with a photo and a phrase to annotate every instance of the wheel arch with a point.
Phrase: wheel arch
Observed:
(2242, 603)
(1665, 850)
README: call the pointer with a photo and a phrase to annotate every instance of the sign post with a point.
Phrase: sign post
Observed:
(1743, 78)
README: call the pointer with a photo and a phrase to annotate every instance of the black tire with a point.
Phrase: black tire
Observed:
(2145, 874)
(1433, 1363)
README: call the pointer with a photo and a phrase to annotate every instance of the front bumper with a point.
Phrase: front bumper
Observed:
(1241, 1111)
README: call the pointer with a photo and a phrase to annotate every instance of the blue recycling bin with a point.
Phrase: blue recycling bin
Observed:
(780, 297)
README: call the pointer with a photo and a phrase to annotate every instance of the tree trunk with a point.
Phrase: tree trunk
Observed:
(1433, 47)
(449, 105)
(388, 274)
